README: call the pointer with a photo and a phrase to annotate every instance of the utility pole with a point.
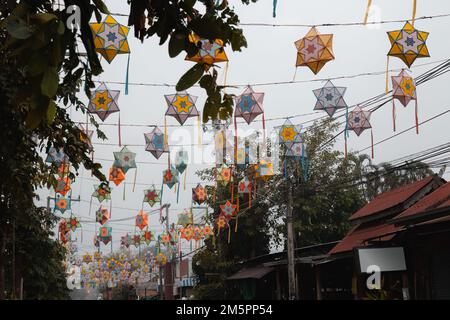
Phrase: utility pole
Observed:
(168, 274)
(290, 247)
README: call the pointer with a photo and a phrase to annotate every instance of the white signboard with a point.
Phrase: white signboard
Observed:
(386, 259)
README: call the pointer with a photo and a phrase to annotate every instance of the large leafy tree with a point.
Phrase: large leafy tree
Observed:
(42, 72)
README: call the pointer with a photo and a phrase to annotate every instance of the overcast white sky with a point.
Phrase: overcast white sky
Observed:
(270, 57)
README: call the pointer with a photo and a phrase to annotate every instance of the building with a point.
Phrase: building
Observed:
(404, 233)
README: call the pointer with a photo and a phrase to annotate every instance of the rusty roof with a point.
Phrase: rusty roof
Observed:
(390, 199)
(359, 236)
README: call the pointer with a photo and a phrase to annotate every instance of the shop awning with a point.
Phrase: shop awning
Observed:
(251, 273)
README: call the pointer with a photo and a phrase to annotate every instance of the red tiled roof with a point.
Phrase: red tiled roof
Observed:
(358, 236)
(438, 198)
(391, 198)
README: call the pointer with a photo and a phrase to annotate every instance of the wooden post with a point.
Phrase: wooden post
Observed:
(318, 283)
(168, 274)
(290, 248)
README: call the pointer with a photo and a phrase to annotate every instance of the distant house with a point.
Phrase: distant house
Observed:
(403, 233)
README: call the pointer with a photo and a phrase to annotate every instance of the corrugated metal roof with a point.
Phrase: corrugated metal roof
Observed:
(438, 198)
(359, 236)
(390, 199)
(251, 273)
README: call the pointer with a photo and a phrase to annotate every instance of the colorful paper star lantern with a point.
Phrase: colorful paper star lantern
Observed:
(156, 143)
(63, 186)
(105, 234)
(289, 132)
(264, 170)
(147, 236)
(181, 161)
(249, 105)
(209, 52)
(102, 192)
(330, 98)
(62, 204)
(170, 177)
(102, 215)
(125, 160)
(184, 219)
(103, 102)
(224, 174)
(199, 194)
(408, 44)
(116, 175)
(86, 136)
(228, 210)
(110, 38)
(141, 220)
(314, 50)
(152, 196)
(404, 90)
(73, 223)
(245, 186)
(181, 106)
(57, 157)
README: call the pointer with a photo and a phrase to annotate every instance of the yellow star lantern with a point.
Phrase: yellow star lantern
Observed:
(314, 50)
(408, 44)
(209, 52)
(264, 170)
(110, 38)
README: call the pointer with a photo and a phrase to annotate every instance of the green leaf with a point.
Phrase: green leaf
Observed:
(51, 112)
(33, 118)
(50, 81)
(190, 3)
(37, 63)
(176, 44)
(44, 17)
(18, 29)
(190, 77)
(101, 6)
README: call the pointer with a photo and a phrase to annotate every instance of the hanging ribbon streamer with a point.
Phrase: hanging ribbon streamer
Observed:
(387, 75)
(414, 12)
(235, 142)
(295, 75)
(264, 126)
(371, 140)
(346, 122)
(199, 132)
(274, 8)
(393, 114)
(366, 15)
(417, 118)
(225, 75)
(120, 134)
(90, 206)
(184, 180)
(110, 208)
(345, 150)
(229, 234)
(165, 133)
(178, 191)
(124, 188)
(236, 225)
(134, 180)
(126, 77)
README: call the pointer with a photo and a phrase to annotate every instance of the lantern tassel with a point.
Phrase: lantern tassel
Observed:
(124, 189)
(345, 150)
(414, 12)
(393, 114)
(371, 140)
(366, 15)
(229, 234)
(126, 77)
(134, 180)
(417, 118)
(120, 134)
(236, 225)
(274, 8)
(235, 141)
(387, 74)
